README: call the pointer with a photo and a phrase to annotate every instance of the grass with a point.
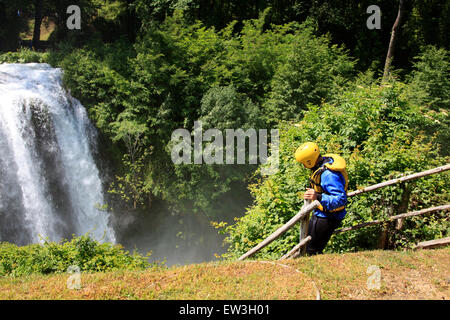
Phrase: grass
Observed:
(420, 274)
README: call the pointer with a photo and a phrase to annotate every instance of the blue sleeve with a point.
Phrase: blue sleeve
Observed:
(334, 184)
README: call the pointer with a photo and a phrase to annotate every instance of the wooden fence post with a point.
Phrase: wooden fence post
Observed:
(403, 205)
(383, 237)
(304, 224)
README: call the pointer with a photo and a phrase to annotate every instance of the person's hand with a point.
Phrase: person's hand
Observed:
(310, 194)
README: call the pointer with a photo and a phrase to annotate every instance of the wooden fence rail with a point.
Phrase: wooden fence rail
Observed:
(432, 243)
(307, 208)
(399, 180)
(303, 212)
(392, 218)
(296, 250)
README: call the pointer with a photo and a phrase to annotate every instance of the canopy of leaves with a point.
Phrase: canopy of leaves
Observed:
(178, 73)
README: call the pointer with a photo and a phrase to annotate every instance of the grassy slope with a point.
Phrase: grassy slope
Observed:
(421, 274)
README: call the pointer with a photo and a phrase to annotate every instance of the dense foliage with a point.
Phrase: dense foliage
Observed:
(430, 78)
(145, 68)
(425, 22)
(56, 257)
(381, 135)
(177, 74)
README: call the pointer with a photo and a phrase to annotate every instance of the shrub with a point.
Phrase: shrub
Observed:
(24, 56)
(55, 257)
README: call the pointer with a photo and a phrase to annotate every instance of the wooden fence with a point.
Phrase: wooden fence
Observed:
(303, 216)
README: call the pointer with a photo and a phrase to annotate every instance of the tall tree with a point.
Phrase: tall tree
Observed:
(394, 36)
(37, 22)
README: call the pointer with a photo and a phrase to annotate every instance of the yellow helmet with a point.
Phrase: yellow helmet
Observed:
(307, 154)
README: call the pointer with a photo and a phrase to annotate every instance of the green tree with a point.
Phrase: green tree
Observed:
(313, 71)
(430, 78)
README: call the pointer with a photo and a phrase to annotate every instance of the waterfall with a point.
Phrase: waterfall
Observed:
(49, 182)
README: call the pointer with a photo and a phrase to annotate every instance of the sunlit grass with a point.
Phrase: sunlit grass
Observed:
(404, 275)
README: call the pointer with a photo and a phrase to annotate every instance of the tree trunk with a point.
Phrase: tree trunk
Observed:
(390, 53)
(131, 22)
(37, 22)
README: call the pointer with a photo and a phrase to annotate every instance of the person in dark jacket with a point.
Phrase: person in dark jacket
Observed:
(328, 185)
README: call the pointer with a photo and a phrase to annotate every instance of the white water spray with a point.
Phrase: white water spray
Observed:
(49, 182)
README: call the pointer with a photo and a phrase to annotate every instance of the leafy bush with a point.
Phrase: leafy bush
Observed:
(56, 257)
(224, 108)
(24, 56)
(378, 132)
(430, 79)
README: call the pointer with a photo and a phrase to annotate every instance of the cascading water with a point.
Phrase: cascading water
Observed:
(49, 182)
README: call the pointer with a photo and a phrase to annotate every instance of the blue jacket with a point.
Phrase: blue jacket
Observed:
(335, 196)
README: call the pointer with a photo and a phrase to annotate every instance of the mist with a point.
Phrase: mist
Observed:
(178, 238)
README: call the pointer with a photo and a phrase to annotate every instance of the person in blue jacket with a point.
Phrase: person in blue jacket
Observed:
(328, 183)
